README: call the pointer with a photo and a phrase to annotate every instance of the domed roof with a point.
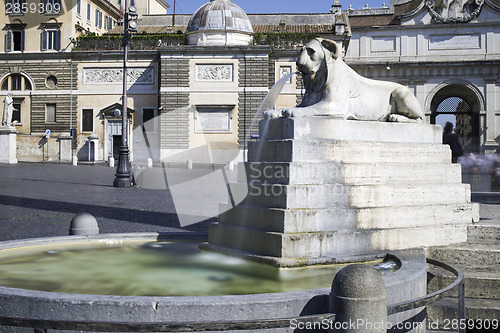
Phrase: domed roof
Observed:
(220, 15)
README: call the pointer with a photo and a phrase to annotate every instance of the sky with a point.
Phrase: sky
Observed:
(277, 6)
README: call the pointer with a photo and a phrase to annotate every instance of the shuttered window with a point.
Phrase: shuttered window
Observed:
(50, 112)
(51, 40)
(14, 40)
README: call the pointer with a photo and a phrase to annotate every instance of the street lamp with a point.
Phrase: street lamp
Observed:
(123, 176)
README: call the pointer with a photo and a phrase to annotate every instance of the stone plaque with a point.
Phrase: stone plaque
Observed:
(135, 75)
(214, 72)
(455, 42)
(383, 44)
(213, 121)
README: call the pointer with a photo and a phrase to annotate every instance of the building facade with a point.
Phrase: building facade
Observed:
(196, 85)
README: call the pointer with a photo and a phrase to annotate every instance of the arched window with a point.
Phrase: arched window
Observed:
(17, 83)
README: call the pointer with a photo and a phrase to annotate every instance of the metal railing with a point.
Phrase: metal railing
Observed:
(41, 326)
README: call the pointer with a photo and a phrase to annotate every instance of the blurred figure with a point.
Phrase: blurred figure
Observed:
(495, 176)
(453, 140)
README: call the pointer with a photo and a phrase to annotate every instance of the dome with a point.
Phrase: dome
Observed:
(217, 19)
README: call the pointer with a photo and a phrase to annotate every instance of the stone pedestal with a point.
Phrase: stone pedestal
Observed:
(65, 151)
(8, 145)
(326, 190)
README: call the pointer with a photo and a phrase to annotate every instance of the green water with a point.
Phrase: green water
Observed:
(153, 269)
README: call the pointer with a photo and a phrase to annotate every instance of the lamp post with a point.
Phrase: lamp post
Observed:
(123, 176)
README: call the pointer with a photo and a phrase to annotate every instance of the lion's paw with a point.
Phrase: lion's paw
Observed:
(295, 113)
(399, 118)
(272, 114)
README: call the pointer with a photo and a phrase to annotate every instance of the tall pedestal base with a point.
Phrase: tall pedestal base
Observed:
(8, 145)
(328, 190)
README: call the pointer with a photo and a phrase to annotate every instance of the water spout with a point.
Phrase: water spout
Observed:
(268, 103)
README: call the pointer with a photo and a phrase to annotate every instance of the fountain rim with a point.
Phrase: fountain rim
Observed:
(400, 258)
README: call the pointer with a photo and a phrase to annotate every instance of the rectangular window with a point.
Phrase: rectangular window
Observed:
(16, 114)
(79, 7)
(15, 82)
(50, 113)
(89, 13)
(148, 120)
(16, 7)
(87, 120)
(52, 6)
(51, 40)
(108, 22)
(98, 18)
(14, 40)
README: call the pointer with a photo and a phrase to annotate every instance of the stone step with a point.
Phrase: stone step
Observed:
(363, 196)
(353, 130)
(478, 283)
(326, 246)
(344, 218)
(288, 220)
(481, 315)
(469, 256)
(347, 152)
(484, 233)
(349, 173)
(408, 195)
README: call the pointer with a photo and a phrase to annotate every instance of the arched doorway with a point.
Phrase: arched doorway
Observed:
(460, 105)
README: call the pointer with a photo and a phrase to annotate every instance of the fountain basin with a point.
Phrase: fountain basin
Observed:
(408, 282)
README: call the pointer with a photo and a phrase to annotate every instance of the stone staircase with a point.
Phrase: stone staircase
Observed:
(325, 190)
(479, 259)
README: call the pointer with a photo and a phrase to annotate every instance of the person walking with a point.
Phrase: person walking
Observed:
(453, 140)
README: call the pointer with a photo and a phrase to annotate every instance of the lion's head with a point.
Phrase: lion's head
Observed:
(313, 63)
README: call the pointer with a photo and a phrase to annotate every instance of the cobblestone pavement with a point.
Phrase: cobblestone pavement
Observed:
(40, 199)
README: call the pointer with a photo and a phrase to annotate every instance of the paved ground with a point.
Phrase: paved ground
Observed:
(40, 199)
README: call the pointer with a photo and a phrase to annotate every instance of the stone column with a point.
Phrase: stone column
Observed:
(8, 137)
(491, 121)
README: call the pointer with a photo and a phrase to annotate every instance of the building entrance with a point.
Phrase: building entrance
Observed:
(459, 105)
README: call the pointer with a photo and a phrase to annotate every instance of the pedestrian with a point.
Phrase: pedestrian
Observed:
(453, 140)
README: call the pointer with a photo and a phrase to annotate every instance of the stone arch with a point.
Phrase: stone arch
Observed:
(462, 101)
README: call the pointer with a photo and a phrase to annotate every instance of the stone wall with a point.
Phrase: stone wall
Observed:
(249, 103)
(254, 72)
(174, 117)
(174, 120)
(37, 148)
(64, 119)
(257, 72)
(174, 72)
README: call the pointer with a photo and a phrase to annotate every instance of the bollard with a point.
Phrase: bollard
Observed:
(111, 162)
(189, 164)
(75, 160)
(83, 224)
(359, 300)
(150, 163)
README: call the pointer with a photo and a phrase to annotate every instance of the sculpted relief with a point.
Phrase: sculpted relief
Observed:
(115, 75)
(450, 11)
(223, 72)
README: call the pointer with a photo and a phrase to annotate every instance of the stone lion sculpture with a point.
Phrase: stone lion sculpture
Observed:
(335, 89)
